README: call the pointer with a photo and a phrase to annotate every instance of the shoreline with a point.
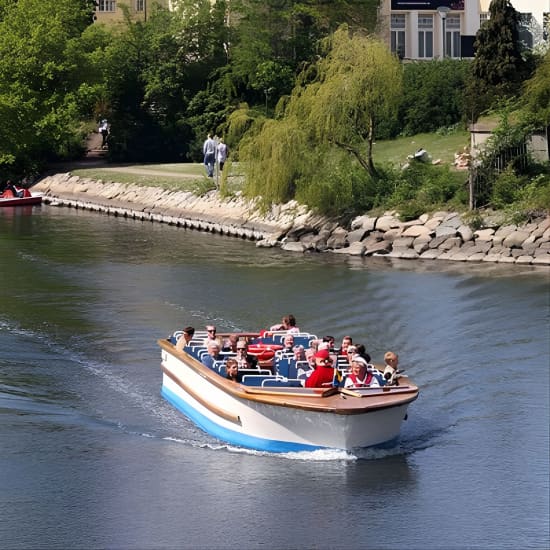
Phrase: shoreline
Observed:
(441, 235)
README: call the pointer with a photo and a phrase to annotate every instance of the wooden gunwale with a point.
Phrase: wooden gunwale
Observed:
(330, 400)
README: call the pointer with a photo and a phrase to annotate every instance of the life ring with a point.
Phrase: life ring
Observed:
(263, 352)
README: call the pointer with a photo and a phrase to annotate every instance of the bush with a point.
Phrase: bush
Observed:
(423, 187)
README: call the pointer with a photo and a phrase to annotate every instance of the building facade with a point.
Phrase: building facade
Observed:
(435, 29)
(109, 11)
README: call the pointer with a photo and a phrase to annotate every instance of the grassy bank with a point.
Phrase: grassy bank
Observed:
(191, 176)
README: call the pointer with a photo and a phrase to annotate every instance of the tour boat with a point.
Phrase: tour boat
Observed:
(24, 197)
(271, 410)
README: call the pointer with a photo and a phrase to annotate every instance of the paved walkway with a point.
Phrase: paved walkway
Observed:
(96, 158)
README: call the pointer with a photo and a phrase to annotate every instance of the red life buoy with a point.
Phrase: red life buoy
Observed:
(263, 351)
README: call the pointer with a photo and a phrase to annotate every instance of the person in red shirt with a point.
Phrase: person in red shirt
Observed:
(323, 374)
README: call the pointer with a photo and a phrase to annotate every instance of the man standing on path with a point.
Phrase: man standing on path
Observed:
(209, 151)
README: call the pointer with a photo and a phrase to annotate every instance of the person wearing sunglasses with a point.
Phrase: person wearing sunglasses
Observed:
(323, 373)
(211, 335)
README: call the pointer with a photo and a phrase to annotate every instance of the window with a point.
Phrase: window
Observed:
(483, 16)
(398, 35)
(140, 5)
(425, 36)
(452, 36)
(106, 5)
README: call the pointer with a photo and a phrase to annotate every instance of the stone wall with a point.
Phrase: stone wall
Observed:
(442, 235)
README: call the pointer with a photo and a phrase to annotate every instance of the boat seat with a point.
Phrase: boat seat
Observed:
(256, 379)
(176, 336)
(282, 365)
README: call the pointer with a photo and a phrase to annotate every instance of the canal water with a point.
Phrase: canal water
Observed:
(91, 456)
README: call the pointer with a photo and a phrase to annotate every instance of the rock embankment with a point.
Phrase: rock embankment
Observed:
(442, 235)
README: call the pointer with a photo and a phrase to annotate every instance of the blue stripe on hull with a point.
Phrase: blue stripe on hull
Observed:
(235, 438)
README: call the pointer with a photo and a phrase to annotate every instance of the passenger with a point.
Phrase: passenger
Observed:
(211, 335)
(391, 372)
(10, 190)
(323, 374)
(288, 345)
(299, 353)
(360, 376)
(330, 340)
(232, 367)
(244, 359)
(185, 338)
(230, 345)
(212, 355)
(288, 323)
(350, 352)
(311, 351)
(346, 342)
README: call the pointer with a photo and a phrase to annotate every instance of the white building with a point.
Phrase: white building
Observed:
(432, 29)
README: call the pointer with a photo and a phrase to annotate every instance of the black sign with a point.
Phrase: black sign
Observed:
(404, 5)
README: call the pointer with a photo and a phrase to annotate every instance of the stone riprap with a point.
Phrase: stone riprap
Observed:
(442, 235)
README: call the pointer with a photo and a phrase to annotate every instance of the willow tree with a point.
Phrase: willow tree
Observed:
(329, 116)
(357, 84)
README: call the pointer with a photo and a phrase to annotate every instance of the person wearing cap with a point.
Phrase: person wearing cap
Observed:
(244, 359)
(361, 376)
(323, 374)
(185, 338)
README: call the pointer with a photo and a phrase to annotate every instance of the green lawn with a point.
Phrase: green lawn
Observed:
(395, 151)
(193, 177)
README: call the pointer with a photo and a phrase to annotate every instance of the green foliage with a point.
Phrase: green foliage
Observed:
(39, 79)
(433, 95)
(536, 96)
(286, 33)
(506, 187)
(336, 110)
(499, 65)
(422, 187)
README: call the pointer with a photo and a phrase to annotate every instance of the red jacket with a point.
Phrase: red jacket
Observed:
(321, 377)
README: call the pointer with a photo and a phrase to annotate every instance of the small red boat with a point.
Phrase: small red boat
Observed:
(22, 197)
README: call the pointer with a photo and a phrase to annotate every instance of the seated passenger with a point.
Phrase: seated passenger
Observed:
(350, 352)
(211, 335)
(288, 345)
(232, 368)
(230, 345)
(360, 376)
(311, 351)
(213, 354)
(323, 374)
(185, 338)
(244, 359)
(346, 342)
(299, 353)
(391, 372)
(288, 323)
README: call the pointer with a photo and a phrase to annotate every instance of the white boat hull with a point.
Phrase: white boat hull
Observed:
(274, 427)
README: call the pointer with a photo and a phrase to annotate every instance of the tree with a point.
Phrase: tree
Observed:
(500, 63)
(358, 83)
(39, 117)
(285, 32)
(536, 94)
(327, 119)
